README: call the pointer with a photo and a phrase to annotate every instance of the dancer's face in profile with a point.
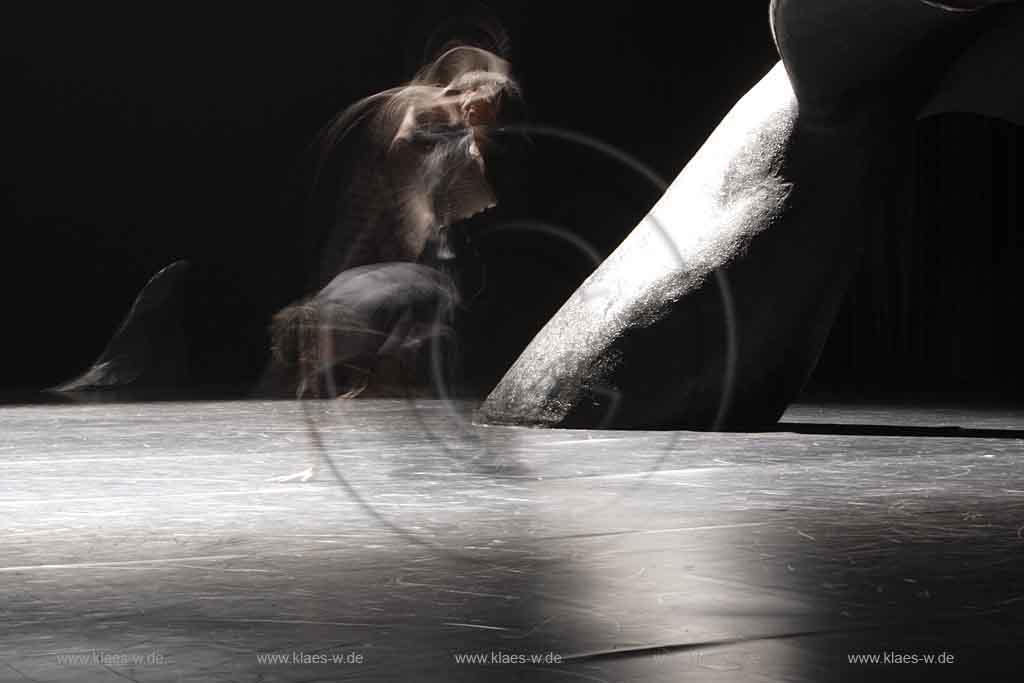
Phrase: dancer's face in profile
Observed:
(478, 96)
(471, 102)
(436, 156)
(424, 169)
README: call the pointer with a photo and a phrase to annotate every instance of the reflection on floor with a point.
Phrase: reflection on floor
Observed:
(170, 542)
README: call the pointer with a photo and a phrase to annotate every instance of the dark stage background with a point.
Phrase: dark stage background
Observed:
(133, 139)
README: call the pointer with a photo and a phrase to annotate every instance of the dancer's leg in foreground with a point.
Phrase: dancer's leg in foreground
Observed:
(776, 200)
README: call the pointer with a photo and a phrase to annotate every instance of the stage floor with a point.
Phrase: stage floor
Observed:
(166, 542)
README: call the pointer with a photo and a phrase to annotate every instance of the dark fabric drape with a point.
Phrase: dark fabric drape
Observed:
(935, 307)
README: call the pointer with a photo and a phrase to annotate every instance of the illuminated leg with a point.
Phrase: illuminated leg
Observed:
(776, 201)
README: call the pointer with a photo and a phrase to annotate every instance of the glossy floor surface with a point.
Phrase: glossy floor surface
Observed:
(179, 542)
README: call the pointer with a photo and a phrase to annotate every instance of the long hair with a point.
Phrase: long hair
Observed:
(415, 165)
(295, 342)
(419, 164)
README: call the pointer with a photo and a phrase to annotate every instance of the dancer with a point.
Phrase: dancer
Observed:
(388, 292)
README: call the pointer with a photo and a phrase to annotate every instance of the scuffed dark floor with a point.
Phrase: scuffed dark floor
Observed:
(167, 542)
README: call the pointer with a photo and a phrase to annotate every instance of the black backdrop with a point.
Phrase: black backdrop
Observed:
(134, 139)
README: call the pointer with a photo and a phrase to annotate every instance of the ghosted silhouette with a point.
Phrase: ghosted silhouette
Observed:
(421, 166)
(421, 170)
(415, 166)
(369, 325)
